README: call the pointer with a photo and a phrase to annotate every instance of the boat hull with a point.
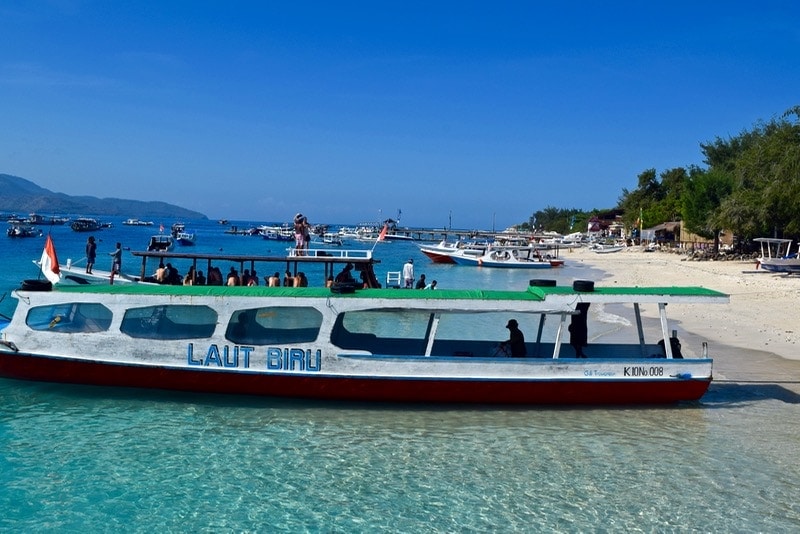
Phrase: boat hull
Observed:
(485, 261)
(544, 391)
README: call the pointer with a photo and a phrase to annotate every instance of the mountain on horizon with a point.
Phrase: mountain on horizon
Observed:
(23, 196)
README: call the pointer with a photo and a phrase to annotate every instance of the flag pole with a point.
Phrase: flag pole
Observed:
(381, 236)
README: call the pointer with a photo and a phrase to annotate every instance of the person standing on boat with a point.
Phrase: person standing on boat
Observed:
(300, 231)
(408, 273)
(516, 340)
(116, 259)
(579, 330)
(91, 254)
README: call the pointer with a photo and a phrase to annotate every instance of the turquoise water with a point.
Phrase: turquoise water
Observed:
(76, 458)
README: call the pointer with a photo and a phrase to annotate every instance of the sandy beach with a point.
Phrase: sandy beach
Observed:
(755, 337)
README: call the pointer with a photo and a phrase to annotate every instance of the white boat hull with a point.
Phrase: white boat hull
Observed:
(100, 335)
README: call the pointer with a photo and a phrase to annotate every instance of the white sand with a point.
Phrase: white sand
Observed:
(763, 315)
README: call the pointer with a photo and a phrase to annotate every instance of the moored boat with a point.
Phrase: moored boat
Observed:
(86, 224)
(137, 222)
(160, 243)
(776, 255)
(23, 230)
(509, 258)
(361, 345)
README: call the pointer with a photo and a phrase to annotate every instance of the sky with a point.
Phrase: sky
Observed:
(462, 114)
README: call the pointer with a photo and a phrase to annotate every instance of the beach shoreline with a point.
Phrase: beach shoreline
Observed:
(755, 337)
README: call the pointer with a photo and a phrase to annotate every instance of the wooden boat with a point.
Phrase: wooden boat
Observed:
(23, 230)
(372, 345)
(776, 255)
(86, 224)
(160, 243)
(276, 233)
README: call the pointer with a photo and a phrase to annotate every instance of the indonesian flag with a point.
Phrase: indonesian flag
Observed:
(383, 232)
(49, 262)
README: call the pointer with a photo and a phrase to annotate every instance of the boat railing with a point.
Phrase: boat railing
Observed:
(330, 253)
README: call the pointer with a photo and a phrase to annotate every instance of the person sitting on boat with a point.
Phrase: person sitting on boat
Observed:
(188, 280)
(274, 280)
(300, 280)
(329, 281)
(432, 285)
(199, 279)
(214, 276)
(161, 273)
(288, 279)
(233, 277)
(516, 341)
(253, 281)
(421, 284)
(173, 276)
(345, 275)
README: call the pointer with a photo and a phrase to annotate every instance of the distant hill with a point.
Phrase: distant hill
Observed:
(21, 196)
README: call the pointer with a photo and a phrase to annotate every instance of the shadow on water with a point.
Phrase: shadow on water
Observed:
(724, 394)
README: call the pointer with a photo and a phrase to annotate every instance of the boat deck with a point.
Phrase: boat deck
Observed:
(329, 258)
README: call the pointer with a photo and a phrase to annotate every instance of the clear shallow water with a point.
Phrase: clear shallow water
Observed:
(76, 458)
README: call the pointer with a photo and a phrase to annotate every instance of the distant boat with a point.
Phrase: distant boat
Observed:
(85, 224)
(137, 222)
(181, 236)
(160, 243)
(23, 230)
(276, 233)
(606, 249)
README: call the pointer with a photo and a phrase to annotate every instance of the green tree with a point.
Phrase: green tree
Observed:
(703, 193)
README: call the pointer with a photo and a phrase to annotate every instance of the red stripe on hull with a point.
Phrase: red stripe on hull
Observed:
(438, 258)
(27, 367)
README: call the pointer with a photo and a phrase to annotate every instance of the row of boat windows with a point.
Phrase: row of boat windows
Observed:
(255, 326)
(375, 330)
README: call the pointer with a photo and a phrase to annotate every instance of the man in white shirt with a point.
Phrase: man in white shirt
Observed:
(408, 273)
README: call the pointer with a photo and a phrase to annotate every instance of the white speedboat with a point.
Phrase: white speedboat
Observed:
(509, 258)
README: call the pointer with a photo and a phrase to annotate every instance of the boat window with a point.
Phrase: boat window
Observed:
(70, 318)
(174, 321)
(274, 325)
(405, 332)
(383, 331)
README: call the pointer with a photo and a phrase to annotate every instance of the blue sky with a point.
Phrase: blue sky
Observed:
(466, 113)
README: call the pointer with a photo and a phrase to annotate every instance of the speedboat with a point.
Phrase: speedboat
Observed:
(369, 345)
(509, 258)
(445, 251)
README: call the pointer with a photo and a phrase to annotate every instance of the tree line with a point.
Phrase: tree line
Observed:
(749, 185)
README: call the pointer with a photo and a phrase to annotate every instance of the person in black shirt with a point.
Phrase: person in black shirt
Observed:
(516, 340)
